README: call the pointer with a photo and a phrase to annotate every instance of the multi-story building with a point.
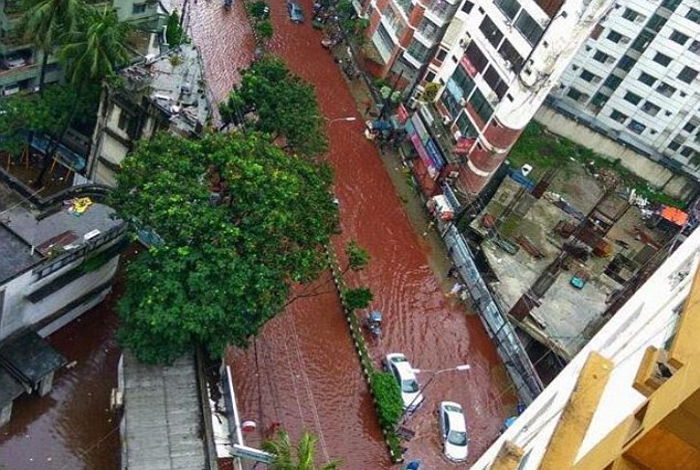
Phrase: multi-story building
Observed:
(630, 399)
(494, 66)
(635, 80)
(20, 62)
(55, 264)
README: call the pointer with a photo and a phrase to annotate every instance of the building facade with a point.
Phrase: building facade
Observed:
(20, 62)
(630, 399)
(494, 66)
(635, 80)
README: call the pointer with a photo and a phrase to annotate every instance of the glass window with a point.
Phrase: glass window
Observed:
(450, 101)
(510, 8)
(441, 8)
(680, 38)
(626, 63)
(646, 79)
(465, 126)
(674, 145)
(618, 116)
(418, 50)
(393, 20)
(656, 22)
(476, 57)
(463, 81)
(467, 7)
(612, 82)
(687, 75)
(636, 126)
(406, 6)
(480, 105)
(529, 28)
(384, 40)
(614, 36)
(643, 40)
(138, 8)
(495, 81)
(665, 89)
(491, 31)
(650, 108)
(511, 55)
(430, 76)
(599, 100)
(574, 94)
(695, 47)
(662, 59)
(630, 14)
(428, 29)
(693, 15)
(689, 127)
(632, 97)
(687, 151)
(671, 4)
(586, 75)
(600, 56)
(442, 53)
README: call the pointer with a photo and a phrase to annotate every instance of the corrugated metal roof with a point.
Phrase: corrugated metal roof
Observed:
(162, 417)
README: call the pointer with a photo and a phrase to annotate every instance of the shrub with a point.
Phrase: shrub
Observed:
(259, 10)
(264, 29)
(388, 395)
(358, 298)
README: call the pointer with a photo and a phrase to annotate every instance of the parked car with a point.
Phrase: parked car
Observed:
(296, 14)
(399, 366)
(14, 62)
(453, 429)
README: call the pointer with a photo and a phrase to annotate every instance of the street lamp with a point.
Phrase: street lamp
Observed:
(459, 368)
(347, 119)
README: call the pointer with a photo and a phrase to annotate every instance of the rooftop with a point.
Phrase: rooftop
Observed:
(174, 83)
(162, 417)
(30, 358)
(27, 236)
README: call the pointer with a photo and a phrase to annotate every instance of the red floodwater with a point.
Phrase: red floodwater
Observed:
(72, 428)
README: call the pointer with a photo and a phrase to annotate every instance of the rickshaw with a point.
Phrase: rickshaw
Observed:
(374, 323)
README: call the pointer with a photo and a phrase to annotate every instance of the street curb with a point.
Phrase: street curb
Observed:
(358, 341)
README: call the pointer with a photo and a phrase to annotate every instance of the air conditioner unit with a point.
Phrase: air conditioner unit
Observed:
(446, 120)
(457, 134)
(463, 102)
(464, 43)
(640, 19)
(624, 39)
(595, 80)
(412, 103)
(509, 65)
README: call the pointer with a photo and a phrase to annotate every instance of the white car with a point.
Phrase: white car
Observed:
(453, 429)
(398, 365)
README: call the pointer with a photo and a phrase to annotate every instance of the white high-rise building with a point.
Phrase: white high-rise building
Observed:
(635, 80)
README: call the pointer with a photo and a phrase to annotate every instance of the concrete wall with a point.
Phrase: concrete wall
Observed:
(657, 175)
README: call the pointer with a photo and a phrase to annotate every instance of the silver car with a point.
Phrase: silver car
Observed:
(399, 366)
(453, 430)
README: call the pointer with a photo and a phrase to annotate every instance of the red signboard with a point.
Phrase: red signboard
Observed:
(464, 144)
(423, 154)
(402, 113)
(469, 66)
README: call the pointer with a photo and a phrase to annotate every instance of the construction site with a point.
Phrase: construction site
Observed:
(561, 253)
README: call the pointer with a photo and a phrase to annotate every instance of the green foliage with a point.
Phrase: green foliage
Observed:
(430, 92)
(174, 34)
(264, 29)
(358, 298)
(388, 395)
(299, 457)
(241, 221)
(258, 10)
(96, 49)
(543, 150)
(358, 257)
(285, 106)
(44, 113)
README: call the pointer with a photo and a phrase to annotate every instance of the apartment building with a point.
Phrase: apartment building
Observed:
(405, 33)
(630, 398)
(20, 62)
(635, 81)
(494, 66)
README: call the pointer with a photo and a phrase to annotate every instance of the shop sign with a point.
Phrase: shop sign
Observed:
(402, 113)
(423, 154)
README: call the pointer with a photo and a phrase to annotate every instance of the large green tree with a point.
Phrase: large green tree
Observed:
(300, 457)
(283, 104)
(46, 22)
(240, 221)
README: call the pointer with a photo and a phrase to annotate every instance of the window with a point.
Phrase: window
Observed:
(430, 76)
(441, 8)
(650, 108)
(693, 15)
(643, 40)
(491, 32)
(529, 28)
(460, 85)
(123, 123)
(394, 22)
(510, 8)
(599, 100)
(442, 53)
(511, 55)
(574, 94)
(588, 76)
(476, 57)
(495, 81)
(630, 14)
(656, 22)
(383, 41)
(614, 36)
(665, 89)
(689, 127)
(632, 97)
(674, 145)
(671, 4)
(418, 50)
(687, 151)
(428, 29)
(481, 106)
(662, 59)
(406, 6)
(618, 116)
(612, 82)
(680, 38)
(600, 56)
(636, 126)
(138, 8)
(687, 75)
(646, 79)
(694, 47)
(467, 7)
(626, 63)
(465, 126)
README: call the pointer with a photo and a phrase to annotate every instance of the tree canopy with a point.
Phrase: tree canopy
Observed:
(284, 105)
(299, 457)
(240, 221)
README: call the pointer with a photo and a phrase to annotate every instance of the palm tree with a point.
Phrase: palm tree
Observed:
(45, 22)
(286, 457)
